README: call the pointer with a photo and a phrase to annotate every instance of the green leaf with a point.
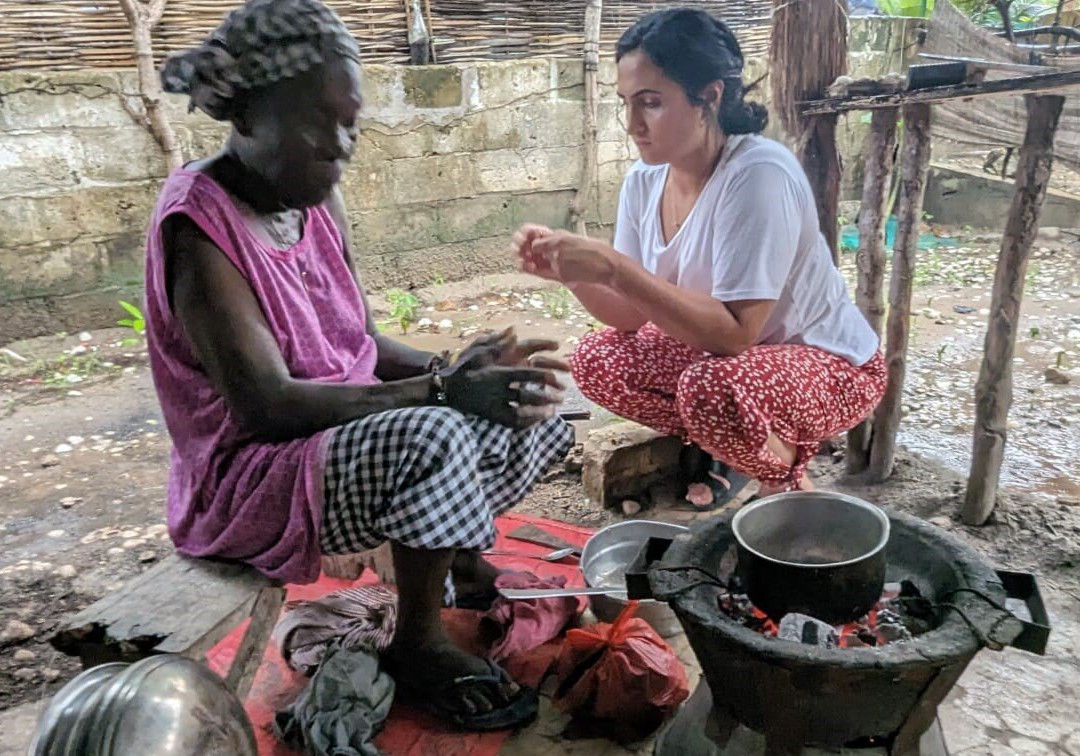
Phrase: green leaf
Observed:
(131, 309)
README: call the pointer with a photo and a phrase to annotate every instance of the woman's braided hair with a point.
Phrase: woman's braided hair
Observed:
(258, 44)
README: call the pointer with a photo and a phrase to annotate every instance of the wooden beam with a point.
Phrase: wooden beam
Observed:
(993, 391)
(249, 656)
(870, 258)
(991, 64)
(1020, 85)
(915, 161)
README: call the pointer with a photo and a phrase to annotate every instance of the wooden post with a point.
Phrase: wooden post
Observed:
(820, 158)
(993, 391)
(870, 259)
(593, 10)
(142, 17)
(914, 161)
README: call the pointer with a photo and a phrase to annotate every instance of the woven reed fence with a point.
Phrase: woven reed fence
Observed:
(80, 34)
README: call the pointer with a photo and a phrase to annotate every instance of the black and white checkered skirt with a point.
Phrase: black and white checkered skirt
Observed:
(430, 478)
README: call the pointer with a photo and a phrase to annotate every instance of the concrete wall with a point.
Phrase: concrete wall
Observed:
(451, 159)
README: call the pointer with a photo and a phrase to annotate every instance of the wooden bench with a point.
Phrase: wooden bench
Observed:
(180, 606)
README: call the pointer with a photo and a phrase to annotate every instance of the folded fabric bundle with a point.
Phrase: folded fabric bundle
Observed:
(522, 625)
(363, 617)
(343, 707)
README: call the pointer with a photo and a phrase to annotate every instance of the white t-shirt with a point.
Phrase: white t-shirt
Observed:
(752, 234)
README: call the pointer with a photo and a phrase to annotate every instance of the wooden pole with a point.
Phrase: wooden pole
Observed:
(142, 17)
(820, 158)
(993, 391)
(870, 259)
(593, 11)
(914, 162)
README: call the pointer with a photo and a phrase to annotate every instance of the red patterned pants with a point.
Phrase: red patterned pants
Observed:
(729, 405)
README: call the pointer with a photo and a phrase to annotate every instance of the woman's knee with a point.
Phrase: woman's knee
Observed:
(703, 387)
(592, 361)
(440, 433)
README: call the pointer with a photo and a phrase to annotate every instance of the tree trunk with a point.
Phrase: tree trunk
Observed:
(820, 158)
(993, 391)
(870, 293)
(142, 18)
(593, 11)
(915, 160)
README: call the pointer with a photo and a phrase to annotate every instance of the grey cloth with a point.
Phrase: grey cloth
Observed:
(343, 707)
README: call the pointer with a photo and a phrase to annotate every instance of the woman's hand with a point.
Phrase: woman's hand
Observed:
(573, 259)
(516, 397)
(504, 349)
(521, 244)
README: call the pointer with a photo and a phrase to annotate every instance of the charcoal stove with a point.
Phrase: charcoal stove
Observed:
(762, 695)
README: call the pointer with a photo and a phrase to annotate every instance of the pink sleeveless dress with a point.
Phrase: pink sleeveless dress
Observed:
(230, 496)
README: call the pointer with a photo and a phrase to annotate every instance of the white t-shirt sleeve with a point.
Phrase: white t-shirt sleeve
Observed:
(756, 234)
(627, 222)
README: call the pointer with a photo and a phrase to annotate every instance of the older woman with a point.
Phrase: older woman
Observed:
(299, 430)
(728, 323)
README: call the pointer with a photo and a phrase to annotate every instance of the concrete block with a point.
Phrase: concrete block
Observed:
(570, 79)
(529, 170)
(949, 193)
(39, 161)
(381, 88)
(419, 267)
(97, 212)
(60, 99)
(432, 86)
(621, 461)
(499, 83)
(48, 269)
(142, 156)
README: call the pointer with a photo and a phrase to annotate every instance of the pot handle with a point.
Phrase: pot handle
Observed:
(1035, 632)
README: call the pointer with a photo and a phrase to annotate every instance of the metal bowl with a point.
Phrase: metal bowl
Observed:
(58, 723)
(165, 705)
(604, 560)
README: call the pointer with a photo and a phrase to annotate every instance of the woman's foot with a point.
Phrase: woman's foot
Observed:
(465, 690)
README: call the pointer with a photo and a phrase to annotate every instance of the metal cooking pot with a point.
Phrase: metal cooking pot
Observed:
(814, 552)
(607, 554)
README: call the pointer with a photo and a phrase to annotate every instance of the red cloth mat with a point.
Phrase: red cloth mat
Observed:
(410, 732)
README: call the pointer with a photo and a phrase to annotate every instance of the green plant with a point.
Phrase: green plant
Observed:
(907, 8)
(1034, 332)
(136, 321)
(1060, 360)
(941, 351)
(403, 306)
(438, 281)
(557, 302)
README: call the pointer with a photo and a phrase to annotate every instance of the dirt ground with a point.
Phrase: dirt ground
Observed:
(84, 459)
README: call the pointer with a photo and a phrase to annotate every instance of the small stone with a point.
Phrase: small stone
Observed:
(1069, 501)
(69, 501)
(963, 309)
(26, 674)
(147, 556)
(56, 533)
(75, 440)
(630, 507)
(50, 675)
(49, 460)
(1056, 376)
(85, 336)
(157, 529)
(446, 325)
(24, 655)
(15, 631)
(133, 543)
(129, 534)
(62, 449)
(67, 571)
(942, 522)
(931, 313)
(1073, 292)
(115, 551)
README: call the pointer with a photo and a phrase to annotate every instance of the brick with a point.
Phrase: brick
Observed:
(622, 461)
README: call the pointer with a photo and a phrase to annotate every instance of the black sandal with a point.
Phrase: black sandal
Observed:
(519, 710)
